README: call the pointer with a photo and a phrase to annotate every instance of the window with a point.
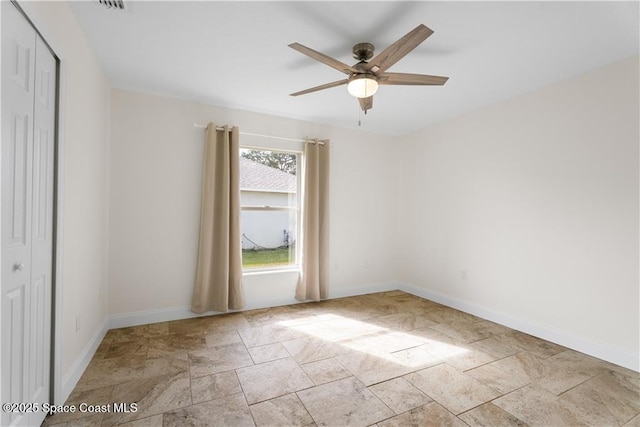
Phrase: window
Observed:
(269, 183)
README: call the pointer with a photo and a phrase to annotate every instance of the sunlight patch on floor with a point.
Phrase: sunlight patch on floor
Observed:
(403, 348)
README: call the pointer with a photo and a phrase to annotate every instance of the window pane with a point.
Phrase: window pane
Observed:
(268, 238)
(268, 178)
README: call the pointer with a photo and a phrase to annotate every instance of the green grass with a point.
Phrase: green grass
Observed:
(265, 258)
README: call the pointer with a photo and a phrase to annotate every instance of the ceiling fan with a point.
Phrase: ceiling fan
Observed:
(364, 77)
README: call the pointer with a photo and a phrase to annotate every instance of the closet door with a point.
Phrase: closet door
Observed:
(28, 127)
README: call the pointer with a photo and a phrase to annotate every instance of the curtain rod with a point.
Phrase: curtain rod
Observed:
(307, 140)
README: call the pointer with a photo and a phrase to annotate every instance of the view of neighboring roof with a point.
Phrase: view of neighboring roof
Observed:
(259, 177)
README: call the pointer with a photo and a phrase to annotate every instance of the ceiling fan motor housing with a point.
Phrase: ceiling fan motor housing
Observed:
(363, 51)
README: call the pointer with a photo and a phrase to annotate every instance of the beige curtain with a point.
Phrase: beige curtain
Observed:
(314, 278)
(219, 274)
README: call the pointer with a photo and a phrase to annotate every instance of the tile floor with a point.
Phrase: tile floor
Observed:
(387, 359)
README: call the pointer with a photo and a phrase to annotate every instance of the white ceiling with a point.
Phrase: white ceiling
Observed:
(235, 54)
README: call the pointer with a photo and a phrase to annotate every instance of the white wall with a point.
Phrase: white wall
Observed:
(154, 204)
(83, 197)
(537, 199)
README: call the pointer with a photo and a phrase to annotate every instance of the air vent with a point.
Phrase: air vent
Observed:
(112, 4)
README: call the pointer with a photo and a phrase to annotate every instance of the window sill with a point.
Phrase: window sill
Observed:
(259, 272)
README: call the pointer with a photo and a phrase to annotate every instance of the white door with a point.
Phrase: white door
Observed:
(28, 127)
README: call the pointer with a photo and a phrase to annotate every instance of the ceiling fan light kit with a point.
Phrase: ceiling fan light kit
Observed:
(362, 85)
(365, 77)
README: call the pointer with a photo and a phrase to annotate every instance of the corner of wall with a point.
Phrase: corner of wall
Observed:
(73, 375)
(547, 332)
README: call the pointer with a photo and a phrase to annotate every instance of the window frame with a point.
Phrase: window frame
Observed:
(299, 153)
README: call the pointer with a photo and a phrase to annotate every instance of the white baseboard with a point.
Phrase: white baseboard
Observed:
(555, 335)
(369, 288)
(137, 318)
(178, 313)
(150, 316)
(71, 378)
(549, 333)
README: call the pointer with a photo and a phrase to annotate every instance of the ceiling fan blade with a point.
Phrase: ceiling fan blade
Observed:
(410, 79)
(399, 49)
(321, 87)
(366, 103)
(325, 59)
